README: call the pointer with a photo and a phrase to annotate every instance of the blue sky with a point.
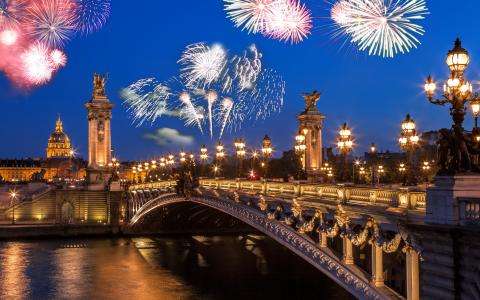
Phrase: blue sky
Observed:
(145, 39)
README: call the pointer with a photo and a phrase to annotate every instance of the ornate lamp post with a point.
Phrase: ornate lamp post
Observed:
(240, 151)
(457, 92)
(203, 159)
(267, 151)
(373, 155)
(409, 142)
(301, 147)
(402, 168)
(345, 146)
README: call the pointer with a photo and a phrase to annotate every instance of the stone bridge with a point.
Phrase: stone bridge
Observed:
(345, 232)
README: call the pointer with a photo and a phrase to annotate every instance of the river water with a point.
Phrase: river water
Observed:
(187, 267)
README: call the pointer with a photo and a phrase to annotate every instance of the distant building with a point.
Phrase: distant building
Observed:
(59, 163)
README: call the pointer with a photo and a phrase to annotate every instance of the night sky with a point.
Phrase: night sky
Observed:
(145, 38)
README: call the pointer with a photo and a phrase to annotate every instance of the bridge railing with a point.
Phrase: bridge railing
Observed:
(402, 197)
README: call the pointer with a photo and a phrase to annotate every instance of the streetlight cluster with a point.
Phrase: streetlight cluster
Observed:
(241, 152)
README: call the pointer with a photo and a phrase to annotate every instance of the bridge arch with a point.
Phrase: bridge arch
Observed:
(356, 284)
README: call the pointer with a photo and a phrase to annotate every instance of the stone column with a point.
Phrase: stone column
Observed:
(413, 278)
(377, 265)
(347, 252)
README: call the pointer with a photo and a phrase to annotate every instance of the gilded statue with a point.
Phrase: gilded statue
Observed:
(311, 100)
(98, 86)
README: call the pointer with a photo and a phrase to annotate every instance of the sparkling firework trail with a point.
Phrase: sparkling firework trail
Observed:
(381, 27)
(202, 65)
(227, 105)
(211, 96)
(51, 21)
(190, 112)
(91, 15)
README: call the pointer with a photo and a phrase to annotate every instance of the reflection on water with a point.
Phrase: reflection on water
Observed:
(191, 267)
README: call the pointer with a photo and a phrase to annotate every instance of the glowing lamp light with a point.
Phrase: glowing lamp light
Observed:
(430, 86)
(458, 58)
(475, 106)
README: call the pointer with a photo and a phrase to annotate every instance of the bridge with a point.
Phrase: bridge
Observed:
(332, 227)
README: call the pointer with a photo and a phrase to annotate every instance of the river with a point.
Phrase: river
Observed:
(186, 267)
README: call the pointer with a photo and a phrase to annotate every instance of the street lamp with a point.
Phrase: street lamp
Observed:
(220, 151)
(267, 151)
(457, 92)
(409, 141)
(301, 147)
(240, 151)
(345, 146)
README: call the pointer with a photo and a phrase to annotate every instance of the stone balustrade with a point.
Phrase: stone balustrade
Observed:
(404, 198)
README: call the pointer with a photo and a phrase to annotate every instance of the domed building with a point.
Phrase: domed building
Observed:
(59, 164)
(59, 145)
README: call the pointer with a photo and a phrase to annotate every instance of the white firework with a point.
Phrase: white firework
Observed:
(227, 105)
(189, 112)
(247, 68)
(381, 27)
(202, 64)
(147, 100)
(250, 15)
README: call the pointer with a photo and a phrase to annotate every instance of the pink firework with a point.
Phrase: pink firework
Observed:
(289, 20)
(51, 21)
(58, 58)
(37, 66)
(8, 37)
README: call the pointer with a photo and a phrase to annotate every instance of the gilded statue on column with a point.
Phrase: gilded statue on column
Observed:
(311, 101)
(98, 86)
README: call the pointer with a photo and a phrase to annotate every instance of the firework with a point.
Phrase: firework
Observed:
(250, 15)
(58, 58)
(202, 65)
(381, 27)
(147, 100)
(190, 112)
(8, 37)
(243, 90)
(227, 105)
(11, 12)
(91, 15)
(37, 66)
(289, 21)
(211, 96)
(51, 21)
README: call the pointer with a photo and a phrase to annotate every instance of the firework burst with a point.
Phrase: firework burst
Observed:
(11, 12)
(381, 27)
(58, 58)
(202, 64)
(8, 37)
(285, 20)
(91, 15)
(250, 15)
(147, 100)
(289, 21)
(51, 21)
(37, 66)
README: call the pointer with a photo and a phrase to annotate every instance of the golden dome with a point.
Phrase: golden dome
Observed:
(59, 143)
